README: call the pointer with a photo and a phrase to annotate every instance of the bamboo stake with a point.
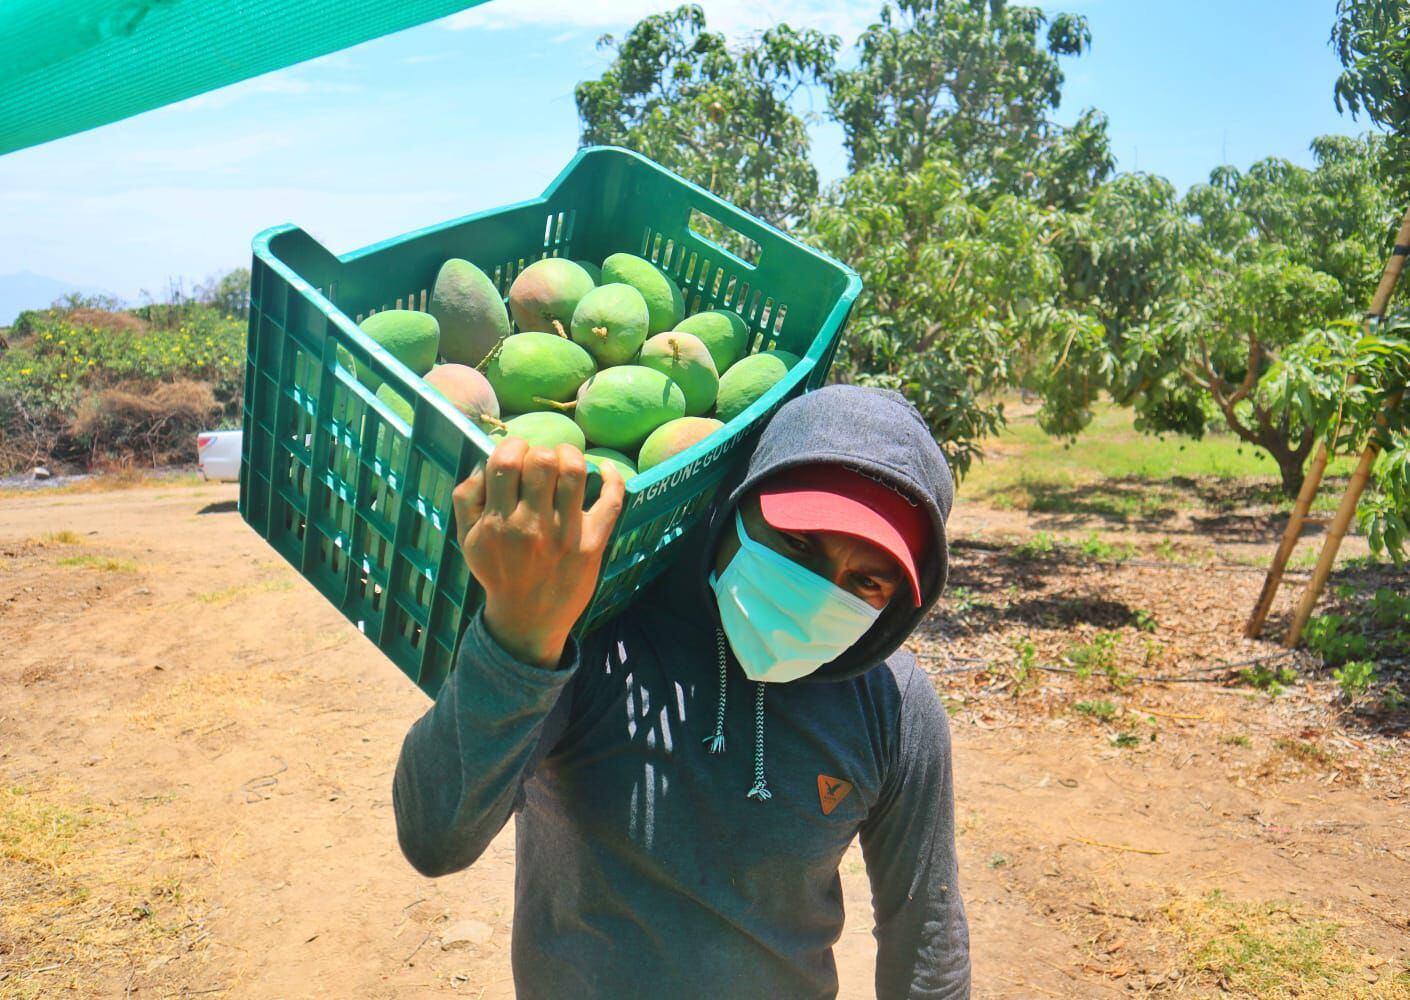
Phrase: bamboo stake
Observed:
(1313, 480)
(1291, 535)
(1338, 529)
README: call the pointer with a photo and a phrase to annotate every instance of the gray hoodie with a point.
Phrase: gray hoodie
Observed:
(643, 866)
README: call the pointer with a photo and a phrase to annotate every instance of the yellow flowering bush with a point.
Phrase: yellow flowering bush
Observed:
(62, 360)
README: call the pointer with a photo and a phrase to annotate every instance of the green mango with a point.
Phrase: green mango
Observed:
(610, 323)
(541, 430)
(470, 312)
(674, 437)
(610, 456)
(722, 331)
(413, 338)
(529, 371)
(663, 296)
(618, 407)
(687, 361)
(395, 402)
(748, 379)
(542, 298)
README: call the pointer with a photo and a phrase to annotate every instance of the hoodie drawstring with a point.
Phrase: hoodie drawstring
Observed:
(760, 790)
(716, 740)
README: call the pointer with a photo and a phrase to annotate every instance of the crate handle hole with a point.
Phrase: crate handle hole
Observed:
(724, 238)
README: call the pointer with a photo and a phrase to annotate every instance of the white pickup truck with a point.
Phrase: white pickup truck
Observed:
(218, 453)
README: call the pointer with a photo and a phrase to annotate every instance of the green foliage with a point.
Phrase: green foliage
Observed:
(1092, 547)
(1355, 678)
(961, 600)
(971, 82)
(1389, 609)
(1263, 267)
(954, 295)
(1266, 678)
(1097, 656)
(1365, 632)
(66, 360)
(1041, 544)
(1372, 39)
(998, 251)
(61, 361)
(717, 115)
(1025, 671)
(1143, 620)
(1103, 709)
(1328, 636)
(228, 294)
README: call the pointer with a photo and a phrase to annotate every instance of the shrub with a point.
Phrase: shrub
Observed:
(156, 423)
(61, 362)
(1355, 678)
(1326, 635)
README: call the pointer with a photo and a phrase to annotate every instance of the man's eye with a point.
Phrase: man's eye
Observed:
(866, 583)
(795, 543)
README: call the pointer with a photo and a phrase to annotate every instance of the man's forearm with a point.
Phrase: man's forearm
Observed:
(462, 763)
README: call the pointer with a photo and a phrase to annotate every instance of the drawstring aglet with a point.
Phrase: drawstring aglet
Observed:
(716, 743)
(760, 791)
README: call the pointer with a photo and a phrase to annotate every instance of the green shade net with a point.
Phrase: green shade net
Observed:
(71, 65)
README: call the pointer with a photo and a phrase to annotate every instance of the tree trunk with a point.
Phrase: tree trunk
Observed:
(1290, 458)
(1290, 469)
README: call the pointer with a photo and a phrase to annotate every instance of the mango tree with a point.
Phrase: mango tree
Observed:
(960, 299)
(1201, 298)
(718, 114)
(971, 82)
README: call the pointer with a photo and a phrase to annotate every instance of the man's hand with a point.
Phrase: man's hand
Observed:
(527, 539)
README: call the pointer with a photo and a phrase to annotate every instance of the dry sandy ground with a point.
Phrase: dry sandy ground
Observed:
(196, 755)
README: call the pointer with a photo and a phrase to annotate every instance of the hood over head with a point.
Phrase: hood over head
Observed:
(878, 433)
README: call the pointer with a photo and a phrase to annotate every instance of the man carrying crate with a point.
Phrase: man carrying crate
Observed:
(688, 777)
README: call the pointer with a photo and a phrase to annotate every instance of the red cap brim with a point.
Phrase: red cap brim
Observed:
(837, 499)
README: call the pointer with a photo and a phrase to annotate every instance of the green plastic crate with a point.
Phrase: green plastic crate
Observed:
(360, 503)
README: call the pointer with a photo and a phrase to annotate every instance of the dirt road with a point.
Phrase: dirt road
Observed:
(195, 766)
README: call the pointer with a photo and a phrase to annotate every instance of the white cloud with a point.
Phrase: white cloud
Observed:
(735, 18)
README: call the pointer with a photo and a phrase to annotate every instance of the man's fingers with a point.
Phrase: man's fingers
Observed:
(468, 499)
(568, 494)
(537, 482)
(602, 515)
(502, 472)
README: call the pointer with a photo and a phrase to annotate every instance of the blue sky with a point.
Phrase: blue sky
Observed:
(476, 110)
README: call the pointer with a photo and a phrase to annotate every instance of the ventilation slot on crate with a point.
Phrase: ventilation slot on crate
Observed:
(558, 231)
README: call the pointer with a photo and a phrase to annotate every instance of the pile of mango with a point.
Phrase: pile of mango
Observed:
(601, 358)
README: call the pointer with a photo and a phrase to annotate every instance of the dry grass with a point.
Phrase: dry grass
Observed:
(65, 537)
(157, 422)
(104, 564)
(1306, 753)
(117, 479)
(243, 590)
(103, 319)
(1276, 951)
(87, 900)
(203, 703)
(1291, 756)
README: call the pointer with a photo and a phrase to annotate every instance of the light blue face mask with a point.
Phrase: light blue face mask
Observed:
(783, 620)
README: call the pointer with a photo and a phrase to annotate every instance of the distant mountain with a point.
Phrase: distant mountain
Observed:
(27, 290)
